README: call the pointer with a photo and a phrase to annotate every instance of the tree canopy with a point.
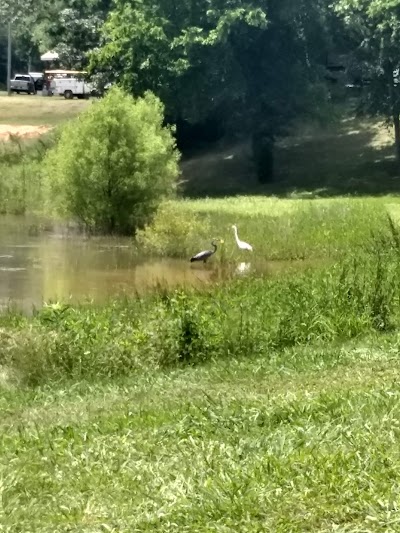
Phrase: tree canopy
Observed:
(254, 65)
(201, 56)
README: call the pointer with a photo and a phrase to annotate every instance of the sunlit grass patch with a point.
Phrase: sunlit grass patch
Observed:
(38, 110)
(276, 228)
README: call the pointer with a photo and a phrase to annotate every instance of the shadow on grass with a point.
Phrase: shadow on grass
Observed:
(352, 157)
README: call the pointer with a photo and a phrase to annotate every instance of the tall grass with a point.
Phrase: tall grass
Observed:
(246, 317)
(277, 229)
(20, 174)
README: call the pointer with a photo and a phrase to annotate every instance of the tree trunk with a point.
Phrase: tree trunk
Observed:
(263, 154)
(396, 124)
(9, 59)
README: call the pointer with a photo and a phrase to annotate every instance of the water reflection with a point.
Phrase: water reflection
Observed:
(37, 266)
(243, 268)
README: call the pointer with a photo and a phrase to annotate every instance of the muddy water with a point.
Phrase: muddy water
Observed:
(39, 263)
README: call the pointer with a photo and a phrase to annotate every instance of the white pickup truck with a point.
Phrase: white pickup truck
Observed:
(22, 83)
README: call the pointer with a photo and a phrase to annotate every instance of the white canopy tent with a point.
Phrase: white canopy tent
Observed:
(49, 56)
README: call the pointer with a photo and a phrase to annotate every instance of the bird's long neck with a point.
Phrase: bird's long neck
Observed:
(236, 234)
(215, 247)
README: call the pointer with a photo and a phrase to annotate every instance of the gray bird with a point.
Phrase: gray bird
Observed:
(205, 254)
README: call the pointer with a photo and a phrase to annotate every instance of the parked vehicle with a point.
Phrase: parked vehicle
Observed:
(23, 83)
(69, 83)
(38, 80)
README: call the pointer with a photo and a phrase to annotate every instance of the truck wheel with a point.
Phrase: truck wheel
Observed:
(68, 95)
(17, 91)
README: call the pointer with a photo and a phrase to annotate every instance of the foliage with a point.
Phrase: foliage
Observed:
(242, 57)
(21, 174)
(20, 14)
(173, 232)
(113, 164)
(278, 229)
(72, 29)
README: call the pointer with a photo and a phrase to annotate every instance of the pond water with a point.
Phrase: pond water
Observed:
(39, 265)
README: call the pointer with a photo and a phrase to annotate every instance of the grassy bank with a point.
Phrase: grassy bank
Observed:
(20, 158)
(303, 440)
(20, 175)
(259, 404)
(249, 316)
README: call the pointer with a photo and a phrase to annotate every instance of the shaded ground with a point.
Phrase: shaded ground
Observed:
(351, 156)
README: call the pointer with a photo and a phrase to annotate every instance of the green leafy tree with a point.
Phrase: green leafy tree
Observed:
(253, 64)
(19, 15)
(70, 28)
(113, 164)
(373, 28)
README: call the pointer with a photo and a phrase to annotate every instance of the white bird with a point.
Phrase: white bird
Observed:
(241, 244)
(205, 254)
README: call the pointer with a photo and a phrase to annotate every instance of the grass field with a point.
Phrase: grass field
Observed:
(260, 404)
(303, 440)
(38, 110)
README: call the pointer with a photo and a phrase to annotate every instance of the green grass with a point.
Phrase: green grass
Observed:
(253, 315)
(21, 174)
(278, 229)
(302, 440)
(259, 405)
(38, 110)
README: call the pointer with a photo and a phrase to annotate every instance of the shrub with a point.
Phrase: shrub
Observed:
(113, 164)
(173, 233)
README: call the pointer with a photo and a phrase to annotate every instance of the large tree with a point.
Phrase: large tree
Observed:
(71, 28)
(17, 13)
(254, 64)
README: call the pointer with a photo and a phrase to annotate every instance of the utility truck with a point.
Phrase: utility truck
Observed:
(68, 83)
